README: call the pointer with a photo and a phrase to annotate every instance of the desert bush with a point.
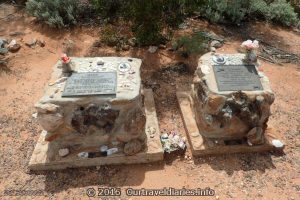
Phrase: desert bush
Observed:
(225, 10)
(56, 13)
(112, 36)
(236, 11)
(109, 35)
(296, 5)
(281, 11)
(147, 22)
(148, 18)
(194, 44)
(258, 8)
(175, 11)
(110, 9)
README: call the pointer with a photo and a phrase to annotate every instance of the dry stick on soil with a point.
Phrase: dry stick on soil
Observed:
(275, 55)
(266, 59)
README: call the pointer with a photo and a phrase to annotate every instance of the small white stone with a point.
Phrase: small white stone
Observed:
(12, 43)
(111, 151)
(63, 152)
(103, 148)
(83, 155)
(152, 49)
(34, 115)
(216, 44)
(212, 49)
(100, 62)
(277, 143)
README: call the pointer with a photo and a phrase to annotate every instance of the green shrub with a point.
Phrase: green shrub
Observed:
(281, 11)
(147, 20)
(235, 11)
(175, 11)
(56, 13)
(109, 35)
(258, 8)
(296, 5)
(194, 44)
(110, 9)
(112, 36)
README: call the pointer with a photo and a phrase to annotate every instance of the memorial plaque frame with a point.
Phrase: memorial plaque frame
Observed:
(90, 84)
(237, 77)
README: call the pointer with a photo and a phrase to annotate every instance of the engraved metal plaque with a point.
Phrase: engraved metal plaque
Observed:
(86, 84)
(237, 77)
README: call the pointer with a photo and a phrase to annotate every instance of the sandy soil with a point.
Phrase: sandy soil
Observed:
(236, 176)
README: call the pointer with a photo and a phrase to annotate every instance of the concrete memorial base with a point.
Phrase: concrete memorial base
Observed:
(45, 155)
(227, 107)
(95, 112)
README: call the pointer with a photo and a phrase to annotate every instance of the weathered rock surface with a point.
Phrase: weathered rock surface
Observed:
(3, 51)
(216, 44)
(13, 46)
(132, 147)
(31, 43)
(50, 122)
(132, 42)
(41, 43)
(125, 47)
(152, 49)
(98, 116)
(2, 42)
(63, 152)
(255, 136)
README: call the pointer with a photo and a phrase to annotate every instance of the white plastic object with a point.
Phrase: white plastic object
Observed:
(277, 143)
(111, 151)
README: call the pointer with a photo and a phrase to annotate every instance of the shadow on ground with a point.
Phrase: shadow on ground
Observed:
(107, 176)
(239, 162)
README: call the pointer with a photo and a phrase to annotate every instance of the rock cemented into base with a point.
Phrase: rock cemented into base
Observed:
(229, 114)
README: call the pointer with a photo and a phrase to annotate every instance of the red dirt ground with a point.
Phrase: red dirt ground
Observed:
(236, 176)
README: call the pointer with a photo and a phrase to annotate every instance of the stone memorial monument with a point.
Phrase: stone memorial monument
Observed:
(94, 112)
(227, 108)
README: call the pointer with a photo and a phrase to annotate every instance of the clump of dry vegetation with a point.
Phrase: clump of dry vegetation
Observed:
(149, 19)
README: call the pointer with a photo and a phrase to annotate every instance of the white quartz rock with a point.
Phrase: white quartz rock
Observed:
(63, 152)
(277, 143)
